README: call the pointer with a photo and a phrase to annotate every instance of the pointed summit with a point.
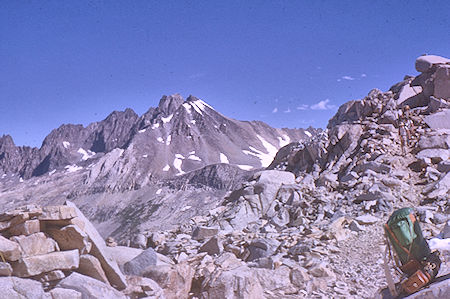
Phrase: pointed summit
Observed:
(168, 104)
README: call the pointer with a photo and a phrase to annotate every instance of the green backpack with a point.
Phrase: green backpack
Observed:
(414, 257)
(405, 235)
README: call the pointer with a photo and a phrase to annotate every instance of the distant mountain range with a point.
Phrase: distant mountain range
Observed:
(172, 139)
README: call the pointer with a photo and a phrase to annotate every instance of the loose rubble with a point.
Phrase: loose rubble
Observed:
(308, 226)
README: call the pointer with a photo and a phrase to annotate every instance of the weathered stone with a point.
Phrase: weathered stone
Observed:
(51, 276)
(355, 227)
(440, 188)
(440, 120)
(110, 242)
(228, 261)
(139, 287)
(374, 166)
(71, 237)
(262, 248)
(60, 293)
(57, 213)
(175, 280)
(442, 82)
(425, 62)
(237, 283)
(139, 241)
(299, 276)
(90, 266)
(9, 249)
(14, 287)
(367, 219)
(112, 271)
(446, 231)
(13, 218)
(204, 232)
(123, 254)
(436, 155)
(35, 265)
(322, 270)
(408, 92)
(139, 264)
(5, 269)
(89, 287)
(444, 166)
(427, 142)
(276, 281)
(268, 184)
(26, 228)
(35, 244)
(213, 246)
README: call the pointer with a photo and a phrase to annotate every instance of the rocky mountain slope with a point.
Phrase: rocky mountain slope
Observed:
(174, 138)
(307, 226)
(180, 147)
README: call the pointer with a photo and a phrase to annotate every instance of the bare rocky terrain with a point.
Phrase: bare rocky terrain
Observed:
(306, 224)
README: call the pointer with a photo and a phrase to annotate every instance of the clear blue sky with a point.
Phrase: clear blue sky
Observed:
(288, 63)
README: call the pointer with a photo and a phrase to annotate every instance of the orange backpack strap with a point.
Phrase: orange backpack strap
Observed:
(388, 229)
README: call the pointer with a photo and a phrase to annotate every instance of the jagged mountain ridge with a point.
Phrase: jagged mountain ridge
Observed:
(176, 137)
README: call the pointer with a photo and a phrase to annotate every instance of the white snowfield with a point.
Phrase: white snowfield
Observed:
(245, 167)
(284, 140)
(266, 158)
(308, 133)
(167, 119)
(199, 106)
(169, 139)
(224, 158)
(166, 168)
(155, 126)
(66, 144)
(159, 139)
(194, 157)
(73, 168)
(85, 154)
(187, 107)
(177, 164)
(142, 131)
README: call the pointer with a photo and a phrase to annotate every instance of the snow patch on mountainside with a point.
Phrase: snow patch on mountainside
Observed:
(196, 108)
(166, 168)
(284, 140)
(224, 158)
(85, 155)
(73, 168)
(308, 133)
(194, 157)
(177, 163)
(187, 107)
(169, 139)
(265, 158)
(66, 144)
(167, 119)
(245, 167)
(271, 150)
(155, 126)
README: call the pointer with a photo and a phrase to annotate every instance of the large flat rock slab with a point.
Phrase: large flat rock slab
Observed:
(109, 265)
(440, 120)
